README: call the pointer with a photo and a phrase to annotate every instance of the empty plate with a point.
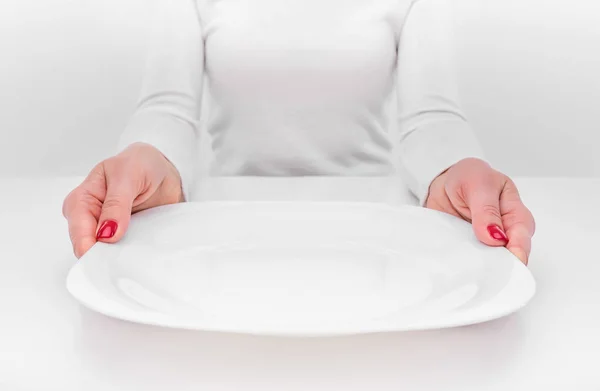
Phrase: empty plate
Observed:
(300, 268)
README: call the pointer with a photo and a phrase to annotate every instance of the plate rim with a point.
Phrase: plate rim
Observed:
(76, 281)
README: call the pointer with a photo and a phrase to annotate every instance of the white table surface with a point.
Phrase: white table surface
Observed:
(50, 342)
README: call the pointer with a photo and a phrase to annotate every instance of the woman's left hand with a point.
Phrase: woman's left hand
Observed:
(477, 193)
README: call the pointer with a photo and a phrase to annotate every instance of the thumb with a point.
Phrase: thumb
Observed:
(484, 205)
(116, 209)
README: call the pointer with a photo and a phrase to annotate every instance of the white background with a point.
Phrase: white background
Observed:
(70, 71)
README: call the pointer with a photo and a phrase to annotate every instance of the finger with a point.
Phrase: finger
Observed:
(483, 201)
(82, 230)
(518, 221)
(519, 242)
(121, 190)
(81, 209)
(443, 205)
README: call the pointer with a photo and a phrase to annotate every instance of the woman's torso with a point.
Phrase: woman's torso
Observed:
(300, 87)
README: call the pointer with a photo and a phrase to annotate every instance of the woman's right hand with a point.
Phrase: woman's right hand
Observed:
(99, 209)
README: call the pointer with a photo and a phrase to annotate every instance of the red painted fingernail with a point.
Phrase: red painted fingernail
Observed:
(107, 230)
(497, 233)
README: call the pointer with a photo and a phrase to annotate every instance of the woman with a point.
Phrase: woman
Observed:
(300, 87)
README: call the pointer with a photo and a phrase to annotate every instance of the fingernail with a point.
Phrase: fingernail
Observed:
(497, 233)
(107, 230)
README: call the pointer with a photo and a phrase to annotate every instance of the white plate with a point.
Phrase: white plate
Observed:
(300, 268)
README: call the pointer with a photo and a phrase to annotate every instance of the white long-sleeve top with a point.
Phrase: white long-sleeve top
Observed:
(302, 87)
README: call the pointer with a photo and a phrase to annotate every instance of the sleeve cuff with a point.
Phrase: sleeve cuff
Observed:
(174, 138)
(431, 149)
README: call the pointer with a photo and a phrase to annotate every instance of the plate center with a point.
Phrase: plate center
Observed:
(289, 284)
